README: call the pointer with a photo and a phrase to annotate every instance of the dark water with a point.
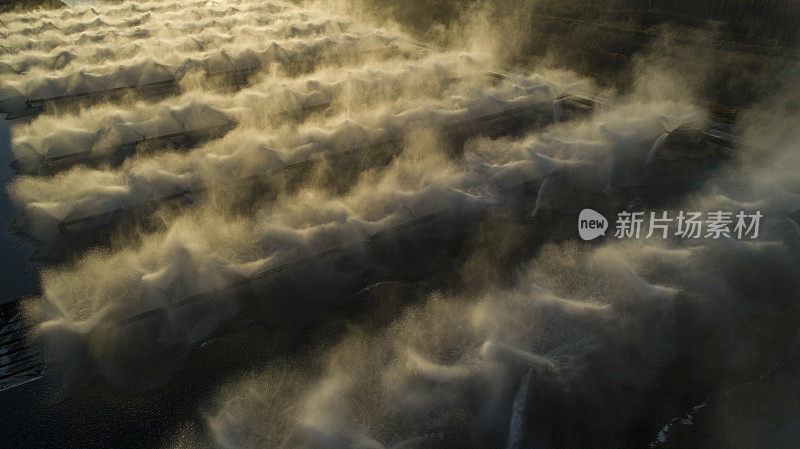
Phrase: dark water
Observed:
(23, 418)
(24, 421)
(19, 277)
